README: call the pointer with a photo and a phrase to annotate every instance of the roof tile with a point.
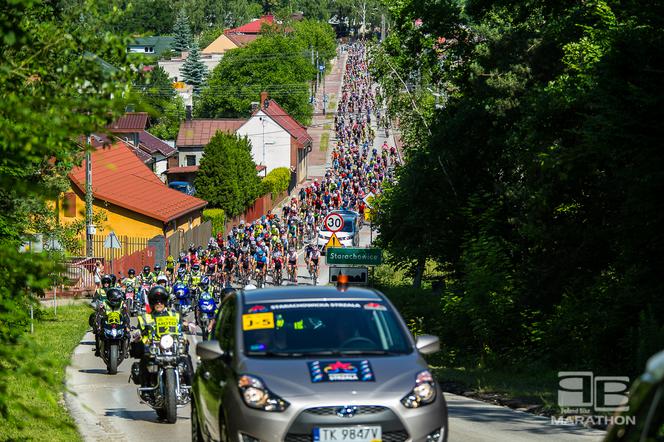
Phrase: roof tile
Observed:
(199, 132)
(120, 178)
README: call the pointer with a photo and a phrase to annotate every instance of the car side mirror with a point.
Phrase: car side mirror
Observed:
(427, 344)
(208, 350)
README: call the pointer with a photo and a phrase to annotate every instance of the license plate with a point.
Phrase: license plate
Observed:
(348, 434)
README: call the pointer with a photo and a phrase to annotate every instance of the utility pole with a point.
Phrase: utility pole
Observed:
(317, 73)
(382, 26)
(313, 63)
(324, 96)
(89, 228)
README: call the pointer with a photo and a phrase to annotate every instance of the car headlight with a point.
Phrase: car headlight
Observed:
(256, 395)
(166, 342)
(423, 393)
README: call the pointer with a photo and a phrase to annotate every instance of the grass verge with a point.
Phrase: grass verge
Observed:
(530, 390)
(324, 141)
(36, 409)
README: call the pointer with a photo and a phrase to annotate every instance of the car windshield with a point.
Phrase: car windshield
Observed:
(294, 329)
(348, 226)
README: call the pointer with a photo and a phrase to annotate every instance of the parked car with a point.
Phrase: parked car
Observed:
(182, 186)
(315, 364)
(348, 237)
(645, 407)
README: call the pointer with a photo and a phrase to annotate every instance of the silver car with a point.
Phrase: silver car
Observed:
(300, 364)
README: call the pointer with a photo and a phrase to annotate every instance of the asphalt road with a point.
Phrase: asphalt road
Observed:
(107, 408)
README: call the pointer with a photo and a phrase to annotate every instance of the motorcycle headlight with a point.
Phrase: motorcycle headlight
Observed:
(423, 393)
(166, 342)
(256, 395)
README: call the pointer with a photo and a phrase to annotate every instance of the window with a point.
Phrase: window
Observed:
(226, 333)
(69, 204)
(191, 160)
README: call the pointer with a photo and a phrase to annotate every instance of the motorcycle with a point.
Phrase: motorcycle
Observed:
(205, 311)
(113, 339)
(183, 299)
(133, 304)
(169, 370)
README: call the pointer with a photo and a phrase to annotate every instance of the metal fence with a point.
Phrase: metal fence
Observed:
(198, 236)
(79, 273)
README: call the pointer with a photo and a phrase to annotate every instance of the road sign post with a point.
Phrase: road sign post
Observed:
(112, 242)
(354, 256)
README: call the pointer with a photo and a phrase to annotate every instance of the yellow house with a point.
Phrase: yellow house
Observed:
(220, 45)
(135, 201)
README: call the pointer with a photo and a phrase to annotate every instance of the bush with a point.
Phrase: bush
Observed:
(218, 217)
(276, 181)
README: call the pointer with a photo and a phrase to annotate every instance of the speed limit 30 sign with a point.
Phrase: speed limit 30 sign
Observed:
(334, 222)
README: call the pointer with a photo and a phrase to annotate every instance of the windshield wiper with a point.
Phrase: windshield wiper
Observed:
(283, 354)
(367, 352)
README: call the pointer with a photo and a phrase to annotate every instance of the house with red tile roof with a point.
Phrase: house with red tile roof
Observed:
(154, 152)
(135, 201)
(277, 139)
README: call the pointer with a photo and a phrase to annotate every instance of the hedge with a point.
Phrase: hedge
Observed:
(277, 181)
(218, 217)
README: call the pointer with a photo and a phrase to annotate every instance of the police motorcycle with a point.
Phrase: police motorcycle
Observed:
(182, 298)
(113, 333)
(205, 309)
(165, 370)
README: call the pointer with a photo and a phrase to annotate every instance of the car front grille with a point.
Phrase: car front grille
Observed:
(332, 411)
(388, 436)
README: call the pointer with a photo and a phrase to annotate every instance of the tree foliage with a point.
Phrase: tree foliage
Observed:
(193, 70)
(182, 32)
(55, 88)
(534, 182)
(227, 174)
(275, 63)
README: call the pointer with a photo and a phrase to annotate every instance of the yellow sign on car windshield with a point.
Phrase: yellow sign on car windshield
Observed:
(257, 321)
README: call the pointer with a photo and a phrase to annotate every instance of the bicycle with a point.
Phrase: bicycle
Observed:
(277, 277)
(314, 275)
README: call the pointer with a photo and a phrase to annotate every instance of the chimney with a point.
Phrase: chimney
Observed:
(187, 111)
(264, 98)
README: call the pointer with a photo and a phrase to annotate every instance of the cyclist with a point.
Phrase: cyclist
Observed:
(170, 267)
(315, 255)
(277, 265)
(146, 277)
(130, 280)
(292, 263)
(260, 262)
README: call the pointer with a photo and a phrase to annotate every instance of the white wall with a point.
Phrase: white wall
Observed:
(160, 165)
(172, 67)
(182, 155)
(277, 141)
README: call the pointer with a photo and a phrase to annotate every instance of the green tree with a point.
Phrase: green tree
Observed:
(227, 176)
(275, 63)
(182, 32)
(317, 36)
(193, 70)
(168, 122)
(155, 91)
(528, 173)
(53, 91)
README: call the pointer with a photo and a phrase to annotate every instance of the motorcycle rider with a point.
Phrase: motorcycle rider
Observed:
(113, 302)
(146, 277)
(149, 325)
(195, 276)
(131, 279)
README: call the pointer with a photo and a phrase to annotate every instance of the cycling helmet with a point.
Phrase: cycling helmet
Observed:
(132, 272)
(158, 294)
(130, 289)
(146, 269)
(115, 297)
(195, 267)
(114, 279)
(106, 279)
(162, 280)
(181, 272)
(157, 268)
(260, 252)
(205, 282)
